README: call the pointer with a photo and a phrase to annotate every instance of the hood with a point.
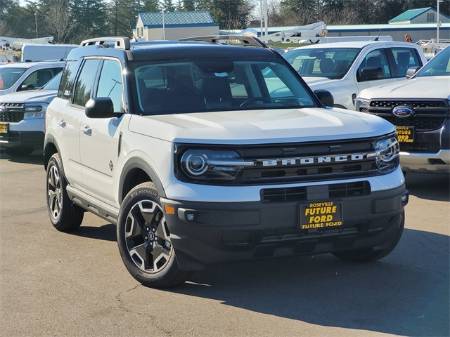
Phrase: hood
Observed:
(261, 126)
(30, 96)
(314, 82)
(418, 87)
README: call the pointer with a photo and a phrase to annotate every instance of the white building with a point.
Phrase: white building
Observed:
(177, 25)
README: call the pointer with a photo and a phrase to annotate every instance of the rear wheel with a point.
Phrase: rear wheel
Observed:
(376, 253)
(64, 215)
(144, 239)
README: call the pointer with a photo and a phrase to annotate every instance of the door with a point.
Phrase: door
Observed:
(374, 70)
(71, 117)
(99, 137)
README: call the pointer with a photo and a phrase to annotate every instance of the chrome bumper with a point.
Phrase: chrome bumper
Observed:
(426, 162)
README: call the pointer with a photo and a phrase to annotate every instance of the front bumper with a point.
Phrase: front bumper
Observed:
(426, 162)
(210, 232)
(23, 139)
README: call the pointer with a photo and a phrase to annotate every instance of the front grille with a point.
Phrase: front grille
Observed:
(11, 112)
(429, 114)
(344, 190)
(310, 172)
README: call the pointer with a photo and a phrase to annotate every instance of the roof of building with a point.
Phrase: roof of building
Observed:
(177, 19)
(410, 14)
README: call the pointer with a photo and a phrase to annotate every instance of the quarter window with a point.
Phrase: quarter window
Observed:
(68, 79)
(85, 82)
(110, 83)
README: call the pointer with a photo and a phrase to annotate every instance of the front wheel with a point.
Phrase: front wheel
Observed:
(375, 253)
(144, 239)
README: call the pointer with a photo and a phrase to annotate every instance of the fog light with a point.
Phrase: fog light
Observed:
(405, 198)
(190, 216)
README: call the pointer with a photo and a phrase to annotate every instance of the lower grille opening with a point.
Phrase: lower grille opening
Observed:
(344, 190)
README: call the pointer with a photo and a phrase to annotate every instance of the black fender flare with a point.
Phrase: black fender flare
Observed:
(49, 140)
(138, 163)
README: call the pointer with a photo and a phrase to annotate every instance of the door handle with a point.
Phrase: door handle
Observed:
(87, 130)
(62, 123)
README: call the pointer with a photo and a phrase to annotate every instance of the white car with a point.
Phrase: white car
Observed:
(22, 118)
(202, 153)
(346, 68)
(24, 76)
(420, 109)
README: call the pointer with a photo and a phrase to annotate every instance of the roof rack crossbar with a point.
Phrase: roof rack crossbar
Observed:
(245, 40)
(120, 42)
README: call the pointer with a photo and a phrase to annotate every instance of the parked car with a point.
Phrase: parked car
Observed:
(16, 77)
(203, 152)
(346, 68)
(420, 109)
(22, 118)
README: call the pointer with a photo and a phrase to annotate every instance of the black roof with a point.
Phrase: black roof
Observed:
(163, 50)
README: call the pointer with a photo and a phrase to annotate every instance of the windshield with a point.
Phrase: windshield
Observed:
(217, 85)
(53, 84)
(438, 66)
(332, 63)
(9, 76)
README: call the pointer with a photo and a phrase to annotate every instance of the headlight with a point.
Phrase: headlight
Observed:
(210, 165)
(34, 111)
(362, 104)
(387, 152)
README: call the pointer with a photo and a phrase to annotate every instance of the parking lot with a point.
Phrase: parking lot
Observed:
(56, 284)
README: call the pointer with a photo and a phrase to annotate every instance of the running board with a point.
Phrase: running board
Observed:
(93, 205)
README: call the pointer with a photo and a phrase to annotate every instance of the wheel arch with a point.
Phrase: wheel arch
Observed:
(50, 148)
(132, 174)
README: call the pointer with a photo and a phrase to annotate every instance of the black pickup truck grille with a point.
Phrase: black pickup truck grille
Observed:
(11, 112)
(429, 114)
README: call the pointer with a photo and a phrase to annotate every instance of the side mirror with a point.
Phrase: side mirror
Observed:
(325, 97)
(100, 107)
(25, 87)
(411, 71)
(370, 74)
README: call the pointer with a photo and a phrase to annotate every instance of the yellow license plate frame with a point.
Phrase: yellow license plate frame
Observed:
(321, 215)
(4, 128)
(405, 134)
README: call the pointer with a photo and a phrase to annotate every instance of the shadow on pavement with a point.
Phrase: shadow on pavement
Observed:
(429, 186)
(106, 232)
(34, 158)
(407, 293)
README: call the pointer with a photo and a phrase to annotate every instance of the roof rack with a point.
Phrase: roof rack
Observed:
(244, 40)
(120, 42)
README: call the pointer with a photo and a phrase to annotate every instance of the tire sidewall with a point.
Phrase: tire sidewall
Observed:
(55, 161)
(141, 192)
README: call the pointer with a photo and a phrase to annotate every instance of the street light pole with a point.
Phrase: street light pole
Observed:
(438, 20)
(36, 24)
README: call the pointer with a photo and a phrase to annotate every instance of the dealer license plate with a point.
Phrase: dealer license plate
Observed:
(321, 215)
(4, 128)
(405, 134)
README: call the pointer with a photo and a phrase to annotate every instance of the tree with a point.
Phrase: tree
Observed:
(228, 14)
(189, 5)
(168, 6)
(150, 6)
(89, 18)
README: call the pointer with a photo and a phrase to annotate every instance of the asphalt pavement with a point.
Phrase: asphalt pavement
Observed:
(57, 284)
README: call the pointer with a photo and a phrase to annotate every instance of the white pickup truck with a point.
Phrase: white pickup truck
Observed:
(346, 68)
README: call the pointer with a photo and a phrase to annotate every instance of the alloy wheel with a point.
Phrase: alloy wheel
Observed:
(54, 191)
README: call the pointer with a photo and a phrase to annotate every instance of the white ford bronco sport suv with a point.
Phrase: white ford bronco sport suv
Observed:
(420, 109)
(346, 68)
(203, 153)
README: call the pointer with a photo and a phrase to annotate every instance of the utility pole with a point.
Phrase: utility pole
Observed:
(261, 18)
(266, 18)
(36, 24)
(438, 20)
(163, 25)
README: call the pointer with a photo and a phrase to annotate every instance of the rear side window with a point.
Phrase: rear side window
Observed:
(39, 78)
(404, 58)
(85, 82)
(110, 83)
(68, 79)
(377, 62)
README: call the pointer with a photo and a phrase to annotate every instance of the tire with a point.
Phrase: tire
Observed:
(373, 253)
(19, 151)
(64, 215)
(144, 240)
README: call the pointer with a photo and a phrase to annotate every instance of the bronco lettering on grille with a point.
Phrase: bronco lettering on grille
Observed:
(299, 161)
